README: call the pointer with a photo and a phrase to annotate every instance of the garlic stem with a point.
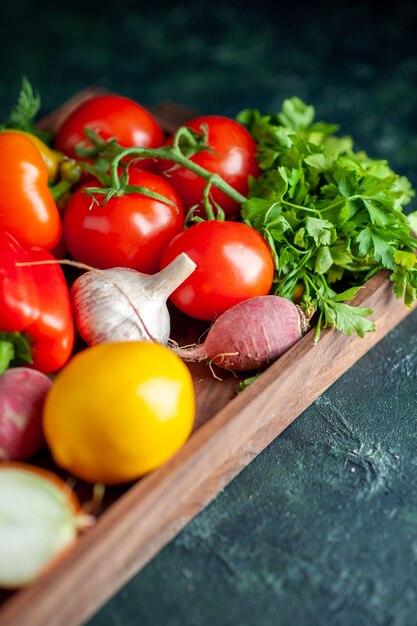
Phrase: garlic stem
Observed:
(165, 282)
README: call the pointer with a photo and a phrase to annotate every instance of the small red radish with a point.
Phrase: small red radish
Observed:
(22, 395)
(251, 334)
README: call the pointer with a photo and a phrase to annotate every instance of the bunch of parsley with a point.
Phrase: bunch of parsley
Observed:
(332, 216)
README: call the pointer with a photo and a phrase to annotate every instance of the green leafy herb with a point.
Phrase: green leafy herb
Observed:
(22, 116)
(331, 215)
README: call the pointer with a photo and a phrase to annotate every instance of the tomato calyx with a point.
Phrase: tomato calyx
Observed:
(110, 158)
(121, 190)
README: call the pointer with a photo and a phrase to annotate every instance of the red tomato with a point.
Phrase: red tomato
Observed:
(233, 264)
(111, 116)
(131, 230)
(233, 158)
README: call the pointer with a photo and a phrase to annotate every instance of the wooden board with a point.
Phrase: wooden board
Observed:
(137, 520)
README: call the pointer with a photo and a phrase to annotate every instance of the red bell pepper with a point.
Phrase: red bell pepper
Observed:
(35, 301)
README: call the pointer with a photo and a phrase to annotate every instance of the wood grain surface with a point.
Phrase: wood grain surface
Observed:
(230, 431)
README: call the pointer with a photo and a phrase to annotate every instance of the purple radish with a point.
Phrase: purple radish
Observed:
(251, 334)
(22, 395)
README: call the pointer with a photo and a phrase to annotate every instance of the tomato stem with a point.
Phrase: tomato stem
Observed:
(175, 155)
(207, 202)
(115, 154)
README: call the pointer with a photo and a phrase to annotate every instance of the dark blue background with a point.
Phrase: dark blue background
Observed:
(356, 62)
(322, 527)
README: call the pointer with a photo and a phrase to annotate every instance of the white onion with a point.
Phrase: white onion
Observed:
(38, 521)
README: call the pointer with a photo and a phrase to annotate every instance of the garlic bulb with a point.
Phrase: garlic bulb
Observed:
(121, 304)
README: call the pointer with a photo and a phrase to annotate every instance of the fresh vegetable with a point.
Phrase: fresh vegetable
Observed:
(250, 335)
(131, 229)
(34, 301)
(112, 116)
(331, 215)
(233, 264)
(40, 518)
(22, 120)
(27, 208)
(118, 410)
(22, 396)
(120, 304)
(51, 158)
(230, 153)
(110, 159)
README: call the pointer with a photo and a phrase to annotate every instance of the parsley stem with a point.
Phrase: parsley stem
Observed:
(332, 205)
(353, 268)
(316, 289)
(297, 270)
(294, 248)
(297, 206)
(325, 285)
